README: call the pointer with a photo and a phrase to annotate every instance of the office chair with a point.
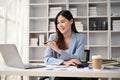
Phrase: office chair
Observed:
(86, 56)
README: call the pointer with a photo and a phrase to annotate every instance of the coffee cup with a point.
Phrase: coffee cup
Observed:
(96, 62)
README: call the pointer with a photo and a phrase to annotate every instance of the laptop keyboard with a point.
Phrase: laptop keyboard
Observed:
(30, 66)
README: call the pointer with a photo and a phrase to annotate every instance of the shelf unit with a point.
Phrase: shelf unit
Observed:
(96, 17)
(115, 29)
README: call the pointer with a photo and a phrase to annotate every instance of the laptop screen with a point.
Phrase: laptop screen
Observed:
(11, 56)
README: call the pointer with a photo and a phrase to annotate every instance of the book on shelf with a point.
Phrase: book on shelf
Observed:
(98, 25)
(92, 25)
(73, 11)
(54, 11)
(41, 39)
(115, 13)
(79, 26)
(104, 25)
(52, 26)
(93, 11)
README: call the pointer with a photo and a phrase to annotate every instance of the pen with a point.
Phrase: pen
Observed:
(45, 42)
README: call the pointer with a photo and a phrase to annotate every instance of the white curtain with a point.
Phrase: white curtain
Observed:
(14, 24)
(2, 26)
(14, 28)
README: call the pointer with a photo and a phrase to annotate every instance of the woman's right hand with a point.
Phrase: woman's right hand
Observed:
(71, 62)
(54, 46)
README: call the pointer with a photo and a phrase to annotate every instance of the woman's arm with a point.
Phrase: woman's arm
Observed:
(51, 57)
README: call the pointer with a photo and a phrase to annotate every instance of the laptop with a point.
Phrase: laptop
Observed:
(12, 58)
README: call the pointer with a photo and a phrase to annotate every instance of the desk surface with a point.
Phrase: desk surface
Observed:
(61, 72)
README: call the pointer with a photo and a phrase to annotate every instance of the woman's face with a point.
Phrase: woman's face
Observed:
(64, 25)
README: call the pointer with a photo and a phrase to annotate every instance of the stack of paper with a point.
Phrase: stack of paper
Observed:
(116, 25)
(106, 61)
(92, 11)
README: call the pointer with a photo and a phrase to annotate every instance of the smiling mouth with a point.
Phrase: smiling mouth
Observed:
(62, 29)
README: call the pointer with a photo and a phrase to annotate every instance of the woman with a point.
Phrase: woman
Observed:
(66, 46)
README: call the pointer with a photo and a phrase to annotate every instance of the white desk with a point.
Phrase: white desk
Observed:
(61, 72)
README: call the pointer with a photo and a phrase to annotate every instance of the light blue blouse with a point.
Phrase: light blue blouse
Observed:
(75, 50)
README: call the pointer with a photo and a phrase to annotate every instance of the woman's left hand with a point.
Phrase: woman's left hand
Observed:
(72, 62)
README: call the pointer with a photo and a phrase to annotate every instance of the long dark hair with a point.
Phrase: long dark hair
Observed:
(59, 36)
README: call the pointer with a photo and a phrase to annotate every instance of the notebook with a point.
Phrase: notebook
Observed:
(112, 66)
(12, 58)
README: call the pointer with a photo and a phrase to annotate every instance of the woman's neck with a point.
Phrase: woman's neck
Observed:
(67, 40)
(67, 35)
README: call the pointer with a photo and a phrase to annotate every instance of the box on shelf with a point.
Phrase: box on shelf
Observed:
(33, 41)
